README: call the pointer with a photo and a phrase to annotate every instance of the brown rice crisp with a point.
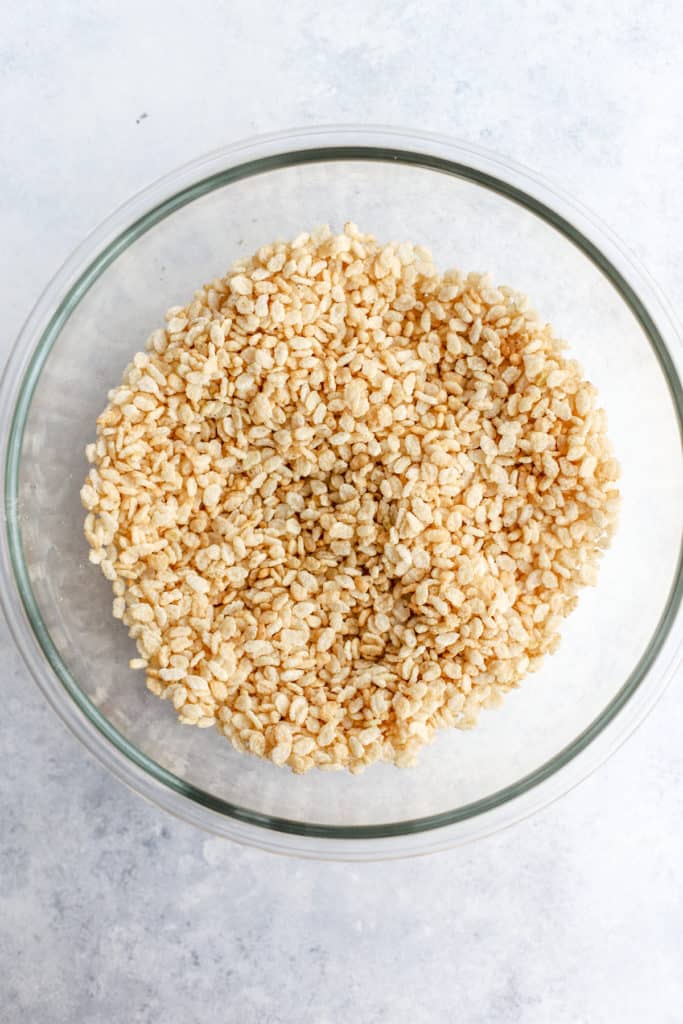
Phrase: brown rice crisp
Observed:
(344, 500)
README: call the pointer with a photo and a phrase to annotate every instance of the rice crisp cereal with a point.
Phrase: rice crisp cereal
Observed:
(345, 500)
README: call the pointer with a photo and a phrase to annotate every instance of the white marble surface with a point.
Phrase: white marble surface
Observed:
(111, 911)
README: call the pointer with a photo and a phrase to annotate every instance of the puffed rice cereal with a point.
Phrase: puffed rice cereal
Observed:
(344, 500)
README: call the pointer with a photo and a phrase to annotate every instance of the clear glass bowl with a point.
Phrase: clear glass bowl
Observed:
(475, 211)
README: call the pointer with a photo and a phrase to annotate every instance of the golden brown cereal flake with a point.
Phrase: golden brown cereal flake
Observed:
(344, 500)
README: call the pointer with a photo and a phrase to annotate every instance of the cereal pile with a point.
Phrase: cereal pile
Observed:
(344, 500)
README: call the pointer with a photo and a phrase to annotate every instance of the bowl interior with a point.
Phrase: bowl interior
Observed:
(161, 262)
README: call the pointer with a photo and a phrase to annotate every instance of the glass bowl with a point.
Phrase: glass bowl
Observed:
(473, 210)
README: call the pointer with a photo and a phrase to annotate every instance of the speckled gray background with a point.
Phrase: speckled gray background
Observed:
(110, 911)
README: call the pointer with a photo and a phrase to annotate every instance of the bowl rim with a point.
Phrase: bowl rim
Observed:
(217, 169)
